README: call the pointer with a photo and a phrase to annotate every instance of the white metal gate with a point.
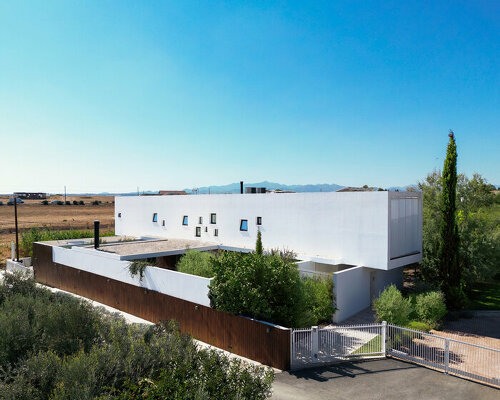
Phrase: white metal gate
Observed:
(316, 346)
(313, 346)
(451, 356)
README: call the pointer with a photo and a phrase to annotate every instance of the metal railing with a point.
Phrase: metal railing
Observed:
(451, 356)
(315, 346)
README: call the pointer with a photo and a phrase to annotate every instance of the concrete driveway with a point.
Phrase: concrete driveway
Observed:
(378, 379)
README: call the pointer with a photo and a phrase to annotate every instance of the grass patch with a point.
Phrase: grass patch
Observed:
(485, 296)
(373, 346)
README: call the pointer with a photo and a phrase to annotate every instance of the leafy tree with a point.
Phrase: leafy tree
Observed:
(258, 245)
(263, 287)
(478, 228)
(449, 271)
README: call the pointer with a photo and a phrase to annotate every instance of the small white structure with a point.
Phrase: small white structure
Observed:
(363, 238)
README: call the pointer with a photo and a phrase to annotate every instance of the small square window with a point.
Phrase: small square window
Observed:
(213, 218)
(259, 220)
(155, 217)
(200, 221)
(206, 228)
(216, 232)
(244, 225)
(185, 220)
(163, 223)
(198, 231)
(119, 215)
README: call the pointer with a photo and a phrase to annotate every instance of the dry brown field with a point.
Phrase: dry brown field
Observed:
(34, 214)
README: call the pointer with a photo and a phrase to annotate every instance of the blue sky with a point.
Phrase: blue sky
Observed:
(111, 95)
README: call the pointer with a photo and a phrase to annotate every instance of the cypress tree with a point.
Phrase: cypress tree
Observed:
(450, 273)
(258, 245)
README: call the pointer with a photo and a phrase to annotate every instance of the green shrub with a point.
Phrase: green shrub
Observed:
(265, 287)
(196, 263)
(96, 202)
(75, 203)
(67, 202)
(390, 306)
(43, 234)
(430, 307)
(419, 326)
(317, 301)
(45, 202)
(55, 346)
(81, 202)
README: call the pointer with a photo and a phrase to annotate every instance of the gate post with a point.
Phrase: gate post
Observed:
(446, 356)
(383, 339)
(314, 343)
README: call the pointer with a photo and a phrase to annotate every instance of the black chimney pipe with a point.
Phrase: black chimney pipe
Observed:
(241, 187)
(96, 234)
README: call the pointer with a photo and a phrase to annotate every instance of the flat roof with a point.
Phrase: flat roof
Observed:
(156, 247)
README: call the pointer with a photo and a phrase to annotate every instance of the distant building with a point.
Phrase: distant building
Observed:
(250, 189)
(172, 192)
(30, 195)
(356, 189)
(280, 191)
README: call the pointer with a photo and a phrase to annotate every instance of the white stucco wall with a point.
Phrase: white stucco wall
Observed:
(351, 288)
(177, 284)
(341, 228)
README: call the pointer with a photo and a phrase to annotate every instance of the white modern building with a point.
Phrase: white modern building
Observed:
(364, 239)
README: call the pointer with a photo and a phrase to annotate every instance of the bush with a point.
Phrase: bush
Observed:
(58, 347)
(430, 307)
(419, 326)
(67, 202)
(390, 306)
(96, 202)
(81, 202)
(264, 287)
(75, 203)
(45, 202)
(317, 301)
(196, 263)
(39, 235)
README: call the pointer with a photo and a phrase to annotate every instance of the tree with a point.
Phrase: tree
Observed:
(258, 245)
(449, 273)
(478, 228)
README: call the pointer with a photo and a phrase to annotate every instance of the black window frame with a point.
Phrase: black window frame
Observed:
(259, 221)
(163, 222)
(213, 218)
(200, 220)
(185, 220)
(155, 217)
(216, 232)
(241, 225)
(197, 232)
(119, 215)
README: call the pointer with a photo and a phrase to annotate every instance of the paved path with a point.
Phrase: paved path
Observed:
(382, 379)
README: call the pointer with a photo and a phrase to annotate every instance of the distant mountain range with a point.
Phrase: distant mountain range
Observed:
(235, 187)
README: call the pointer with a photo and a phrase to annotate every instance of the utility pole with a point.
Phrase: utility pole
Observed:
(65, 193)
(17, 236)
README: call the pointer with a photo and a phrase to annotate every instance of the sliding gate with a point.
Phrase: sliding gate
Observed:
(315, 346)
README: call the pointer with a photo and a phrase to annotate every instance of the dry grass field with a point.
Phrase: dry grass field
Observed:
(34, 214)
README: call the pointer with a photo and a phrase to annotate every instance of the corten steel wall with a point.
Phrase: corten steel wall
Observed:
(242, 336)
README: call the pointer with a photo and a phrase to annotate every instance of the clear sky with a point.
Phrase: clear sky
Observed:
(112, 95)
